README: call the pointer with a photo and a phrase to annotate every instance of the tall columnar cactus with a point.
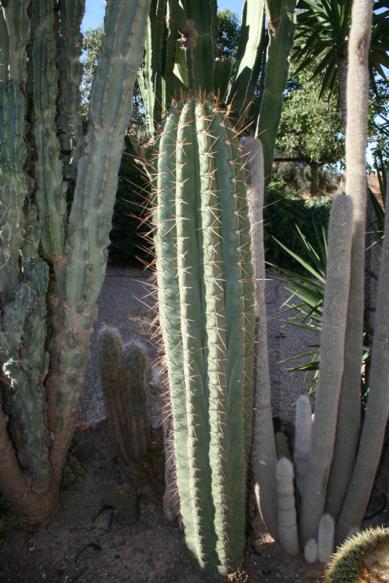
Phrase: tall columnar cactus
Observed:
(325, 485)
(205, 292)
(124, 373)
(349, 415)
(281, 30)
(180, 57)
(58, 189)
(331, 366)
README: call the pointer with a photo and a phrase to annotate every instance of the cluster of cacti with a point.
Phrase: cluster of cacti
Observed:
(124, 373)
(180, 56)
(334, 474)
(58, 188)
(363, 557)
(206, 304)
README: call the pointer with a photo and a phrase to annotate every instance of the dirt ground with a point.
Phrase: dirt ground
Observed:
(110, 527)
(88, 541)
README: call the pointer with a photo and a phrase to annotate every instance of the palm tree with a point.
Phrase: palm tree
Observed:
(322, 35)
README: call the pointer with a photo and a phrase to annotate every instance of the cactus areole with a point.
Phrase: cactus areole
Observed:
(205, 292)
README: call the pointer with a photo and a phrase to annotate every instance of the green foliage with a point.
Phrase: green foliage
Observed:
(228, 32)
(323, 27)
(363, 557)
(284, 212)
(128, 228)
(310, 128)
(72, 473)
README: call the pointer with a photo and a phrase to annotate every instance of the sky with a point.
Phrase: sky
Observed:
(94, 11)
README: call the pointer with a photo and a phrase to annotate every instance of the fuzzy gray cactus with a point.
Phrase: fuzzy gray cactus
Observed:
(334, 475)
(287, 515)
(59, 189)
(124, 373)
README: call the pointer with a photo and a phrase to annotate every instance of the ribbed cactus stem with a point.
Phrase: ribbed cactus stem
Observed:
(124, 373)
(331, 366)
(249, 55)
(311, 551)
(377, 411)
(206, 311)
(14, 184)
(281, 30)
(264, 455)
(302, 439)
(80, 276)
(69, 99)
(287, 518)
(50, 194)
(198, 29)
(325, 538)
(349, 414)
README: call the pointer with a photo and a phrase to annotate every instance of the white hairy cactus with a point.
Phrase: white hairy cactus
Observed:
(286, 509)
(302, 440)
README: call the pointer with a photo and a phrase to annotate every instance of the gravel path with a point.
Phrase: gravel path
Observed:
(127, 295)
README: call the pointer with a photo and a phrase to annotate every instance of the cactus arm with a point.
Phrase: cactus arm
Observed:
(136, 367)
(349, 415)
(198, 30)
(69, 123)
(50, 188)
(281, 29)
(286, 508)
(377, 411)
(26, 367)
(325, 538)
(123, 374)
(80, 275)
(331, 366)
(264, 456)
(111, 371)
(302, 441)
(249, 56)
(14, 186)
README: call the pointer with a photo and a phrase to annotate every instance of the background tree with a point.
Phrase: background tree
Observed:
(323, 28)
(311, 130)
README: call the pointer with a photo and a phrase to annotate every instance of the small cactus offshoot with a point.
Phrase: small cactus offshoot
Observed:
(124, 370)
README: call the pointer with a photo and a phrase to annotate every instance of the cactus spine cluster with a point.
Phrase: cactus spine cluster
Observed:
(363, 557)
(124, 373)
(58, 190)
(205, 292)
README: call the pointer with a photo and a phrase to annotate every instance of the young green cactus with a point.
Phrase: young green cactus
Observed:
(124, 372)
(363, 557)
(205, 292)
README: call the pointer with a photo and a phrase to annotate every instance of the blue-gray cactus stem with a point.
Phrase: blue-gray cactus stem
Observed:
(79, 276)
